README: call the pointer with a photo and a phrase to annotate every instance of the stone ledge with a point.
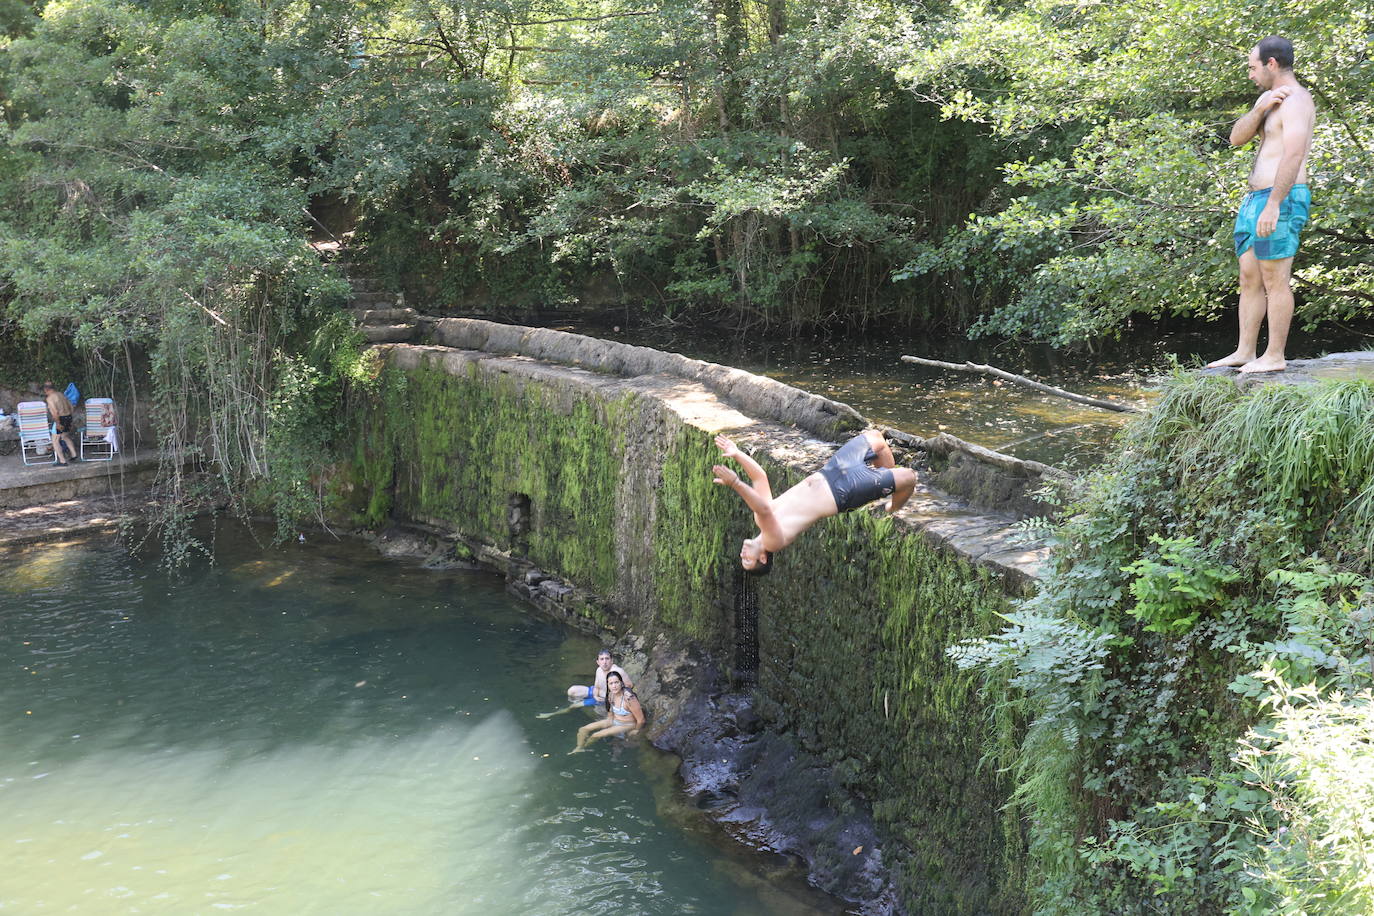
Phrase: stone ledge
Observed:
(1356, 365)
(31, 485)
(753, 394)
(985, 538)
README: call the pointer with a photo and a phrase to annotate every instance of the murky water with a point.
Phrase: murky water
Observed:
(313, 729)
(867, 373)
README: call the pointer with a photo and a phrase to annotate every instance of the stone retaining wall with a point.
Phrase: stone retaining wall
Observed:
(602, 481)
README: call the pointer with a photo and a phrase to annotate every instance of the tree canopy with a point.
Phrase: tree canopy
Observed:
(1037, 169)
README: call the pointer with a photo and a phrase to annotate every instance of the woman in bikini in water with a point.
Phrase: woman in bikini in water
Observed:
(624, 715)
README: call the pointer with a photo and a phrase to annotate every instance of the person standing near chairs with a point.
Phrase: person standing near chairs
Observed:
(60, 412)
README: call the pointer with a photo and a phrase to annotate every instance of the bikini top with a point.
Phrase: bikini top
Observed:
(623, 711)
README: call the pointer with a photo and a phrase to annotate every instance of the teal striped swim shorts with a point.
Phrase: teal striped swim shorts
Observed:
(1283, 243)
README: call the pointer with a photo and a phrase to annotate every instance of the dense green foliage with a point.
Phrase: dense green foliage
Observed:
(153, 192)
(1193, 680)
(1123, 188)
(760, 162)
(755, 158)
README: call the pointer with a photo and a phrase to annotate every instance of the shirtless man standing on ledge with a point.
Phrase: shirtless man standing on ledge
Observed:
(861, 471)
(1274, 210)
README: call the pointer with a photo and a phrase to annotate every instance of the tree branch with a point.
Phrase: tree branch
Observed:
(1353, 239)
(1356, 293)
(584, 18)
(1022, 380)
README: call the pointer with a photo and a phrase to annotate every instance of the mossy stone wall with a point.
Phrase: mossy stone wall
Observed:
(852, 625)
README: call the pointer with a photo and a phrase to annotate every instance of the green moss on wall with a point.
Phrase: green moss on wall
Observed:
(693, 550)
(853, 624)
(853, 628)
(436, 446)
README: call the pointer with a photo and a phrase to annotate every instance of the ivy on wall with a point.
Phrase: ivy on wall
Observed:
(1212, 599)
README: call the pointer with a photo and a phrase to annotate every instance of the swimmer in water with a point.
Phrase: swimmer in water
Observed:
(861, 471)
(624, 715)
(580, 696)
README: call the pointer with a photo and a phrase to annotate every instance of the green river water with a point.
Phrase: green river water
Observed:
(315, 729)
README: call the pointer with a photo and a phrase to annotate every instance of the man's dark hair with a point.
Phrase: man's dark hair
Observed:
(763, 567)
(1277, 49)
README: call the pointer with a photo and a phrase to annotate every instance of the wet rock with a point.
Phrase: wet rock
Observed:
(448, 558)
(748, 721)
(554, 589)
(764, 789)
(400, 543)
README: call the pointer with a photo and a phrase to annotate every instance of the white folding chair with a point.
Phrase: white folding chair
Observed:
(97, 438)
(35, 434)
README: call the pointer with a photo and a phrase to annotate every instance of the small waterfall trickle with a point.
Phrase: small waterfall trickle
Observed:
(746, 629)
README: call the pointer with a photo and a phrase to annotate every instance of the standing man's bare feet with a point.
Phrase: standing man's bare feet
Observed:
(1265, 364)
(1234, 361)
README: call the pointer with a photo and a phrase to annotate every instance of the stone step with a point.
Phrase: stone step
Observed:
(388, 333)
(371, 300)
(386, 316)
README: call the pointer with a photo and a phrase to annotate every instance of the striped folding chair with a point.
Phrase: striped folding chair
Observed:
(99, 438)
(35, 435)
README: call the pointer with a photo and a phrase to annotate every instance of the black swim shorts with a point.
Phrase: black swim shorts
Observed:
(64, 423)
(853, 482)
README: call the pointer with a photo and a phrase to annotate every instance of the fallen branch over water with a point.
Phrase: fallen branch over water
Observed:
(1022, 380)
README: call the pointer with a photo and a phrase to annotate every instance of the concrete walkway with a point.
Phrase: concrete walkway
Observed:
(39, 502)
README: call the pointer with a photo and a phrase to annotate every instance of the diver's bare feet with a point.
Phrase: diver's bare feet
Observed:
(1265, 363)
(1234, 361)
(576, 750)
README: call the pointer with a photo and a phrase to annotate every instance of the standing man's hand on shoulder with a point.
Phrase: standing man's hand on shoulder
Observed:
(1272, 98)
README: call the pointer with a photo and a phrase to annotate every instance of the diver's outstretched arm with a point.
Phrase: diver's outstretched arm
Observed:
(758, 478)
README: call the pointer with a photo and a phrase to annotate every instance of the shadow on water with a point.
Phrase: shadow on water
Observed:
(315, 729)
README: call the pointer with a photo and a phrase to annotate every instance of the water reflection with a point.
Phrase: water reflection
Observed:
(313, 729)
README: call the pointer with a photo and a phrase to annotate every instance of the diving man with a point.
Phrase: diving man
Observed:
(861, 471)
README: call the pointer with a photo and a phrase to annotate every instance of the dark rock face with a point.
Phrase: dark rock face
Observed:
(765, 790)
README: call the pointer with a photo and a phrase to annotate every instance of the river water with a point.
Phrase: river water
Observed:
(315, 729)
(867, 373)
